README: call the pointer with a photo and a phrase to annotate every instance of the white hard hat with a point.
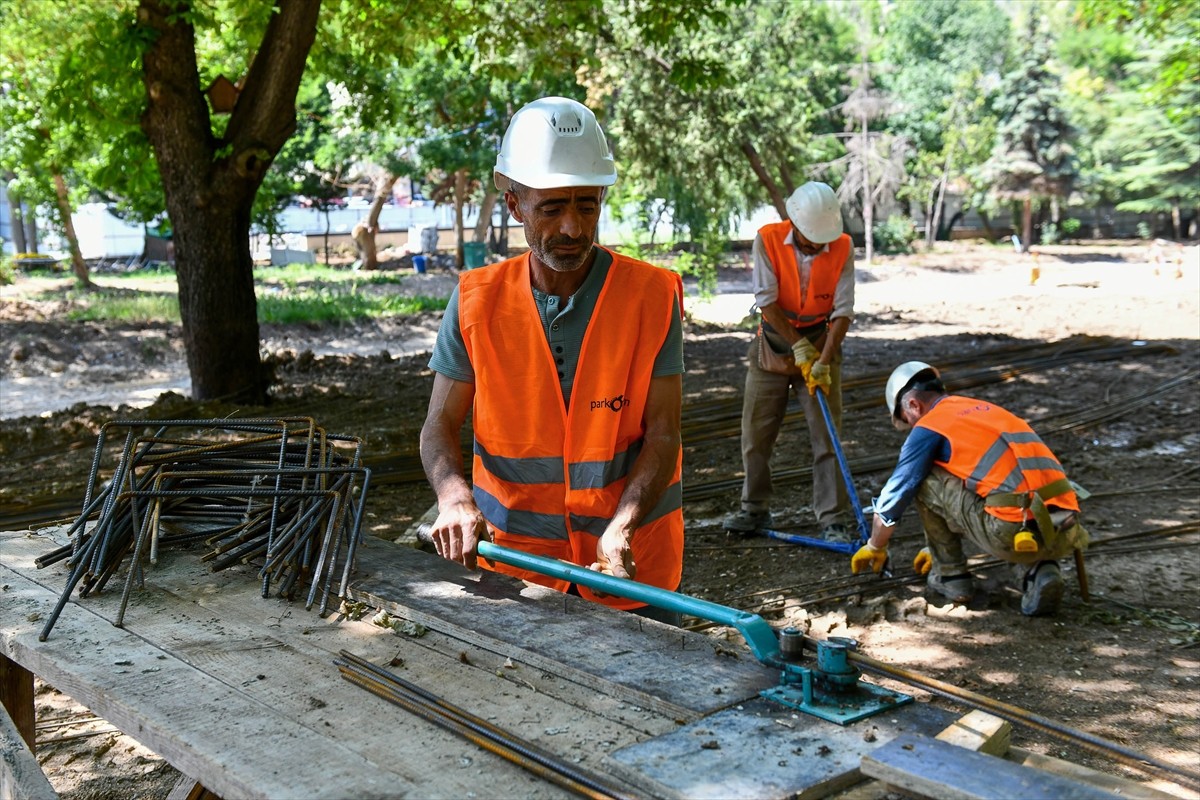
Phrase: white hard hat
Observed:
(899, 380)
(555, 142)
(816, 213)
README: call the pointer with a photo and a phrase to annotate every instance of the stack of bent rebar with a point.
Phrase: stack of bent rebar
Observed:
(281, 494)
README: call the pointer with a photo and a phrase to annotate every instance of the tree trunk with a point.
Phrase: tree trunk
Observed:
(78, 265)
(765, 179)
(364, 241)
(210, 183)
(1026, 224)
(31, 231)
(1176, 220)
(486, 206)
(364, 233)
(18, 224)
(868, 201)
(460, 199)
(987, 226)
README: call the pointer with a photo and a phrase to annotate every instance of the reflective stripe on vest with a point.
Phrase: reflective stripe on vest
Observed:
(995, 452)
(546, 477)
(826, 270)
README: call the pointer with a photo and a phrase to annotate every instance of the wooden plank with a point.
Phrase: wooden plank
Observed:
(1112, 783)
(980, 732)
(976, 731)
(279, 655)
(762, 751)
(21, 777)
(675, 672)
(206, 726)
(16, 697)
(932, 768)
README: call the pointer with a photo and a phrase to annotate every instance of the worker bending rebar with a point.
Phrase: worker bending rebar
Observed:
(570, 360)
(976, 472)
(804, 287)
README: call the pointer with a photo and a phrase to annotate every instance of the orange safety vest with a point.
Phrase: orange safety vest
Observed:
(547, 477)
(998, 456)
(814, 307)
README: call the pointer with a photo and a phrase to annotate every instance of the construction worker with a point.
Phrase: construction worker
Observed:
(804, 288)
(570, 360)
(980, 473)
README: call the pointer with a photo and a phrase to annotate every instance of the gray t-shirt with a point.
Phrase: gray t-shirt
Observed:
(564, 323)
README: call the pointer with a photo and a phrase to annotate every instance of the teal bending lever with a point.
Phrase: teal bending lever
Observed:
(759, 635)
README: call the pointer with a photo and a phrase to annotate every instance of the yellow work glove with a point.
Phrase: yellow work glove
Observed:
(923, 561)
(868, 556)
(817, 374)
(804, 352)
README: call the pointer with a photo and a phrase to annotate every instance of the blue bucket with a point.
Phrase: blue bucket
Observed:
(419, 263)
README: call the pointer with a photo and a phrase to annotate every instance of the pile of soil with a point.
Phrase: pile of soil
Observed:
(1097, 346)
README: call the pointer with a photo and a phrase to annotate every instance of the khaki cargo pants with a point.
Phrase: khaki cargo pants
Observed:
(950, 513)
(763, 409)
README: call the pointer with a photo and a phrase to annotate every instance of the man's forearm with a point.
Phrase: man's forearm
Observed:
(833, 341)
(648, 478)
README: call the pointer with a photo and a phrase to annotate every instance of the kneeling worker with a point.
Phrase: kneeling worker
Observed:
(976, 472)
(569, 359)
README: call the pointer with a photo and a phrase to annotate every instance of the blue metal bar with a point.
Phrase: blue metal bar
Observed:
(811, 541)
(759, 635)
(864, 532)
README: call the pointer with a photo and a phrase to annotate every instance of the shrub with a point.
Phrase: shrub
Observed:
(895, 235)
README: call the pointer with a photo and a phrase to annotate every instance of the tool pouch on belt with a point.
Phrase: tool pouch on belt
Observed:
(771, 361)
(1046, 525)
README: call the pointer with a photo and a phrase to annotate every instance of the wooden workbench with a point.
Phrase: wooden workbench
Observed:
(241, 694)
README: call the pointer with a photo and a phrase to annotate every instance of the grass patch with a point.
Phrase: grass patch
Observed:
(295, 275)
(123, 305)
(277, 304)
(328, 305)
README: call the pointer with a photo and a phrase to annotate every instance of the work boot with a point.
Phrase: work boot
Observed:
(956, 588)
(837, 533)
(1041, 589)
(747, 521)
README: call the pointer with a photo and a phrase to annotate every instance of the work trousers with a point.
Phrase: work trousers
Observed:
(763, 409)
(950, 513)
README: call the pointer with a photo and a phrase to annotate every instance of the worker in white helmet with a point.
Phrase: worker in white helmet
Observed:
(977, 473)
(804, 289)
(570, 360)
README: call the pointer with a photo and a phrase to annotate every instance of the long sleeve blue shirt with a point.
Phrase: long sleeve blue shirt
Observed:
(917, 456)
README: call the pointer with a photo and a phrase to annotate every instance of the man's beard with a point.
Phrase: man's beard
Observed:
(562, 262)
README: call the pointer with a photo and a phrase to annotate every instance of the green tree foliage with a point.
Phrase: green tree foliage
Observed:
(1175, 26)
(725, 119)
(1034, 156)
(942, 57)
(156, 57)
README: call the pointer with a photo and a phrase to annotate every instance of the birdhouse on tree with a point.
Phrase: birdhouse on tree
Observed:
(222, 95)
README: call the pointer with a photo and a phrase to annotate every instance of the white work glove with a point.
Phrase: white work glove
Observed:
(804, 352)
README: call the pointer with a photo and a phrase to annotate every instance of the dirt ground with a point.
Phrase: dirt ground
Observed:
(1100, 349)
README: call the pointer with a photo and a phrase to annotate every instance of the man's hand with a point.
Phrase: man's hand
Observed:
(868, 557)
(817, 374)
(923, 561)
(804, 352)
(614, 555)
(457, 532)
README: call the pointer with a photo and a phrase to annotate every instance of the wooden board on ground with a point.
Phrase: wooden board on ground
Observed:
(21, 777)
(761, 751)
(1114, 783)
(931, 768)
(980, 732)
(675, 672)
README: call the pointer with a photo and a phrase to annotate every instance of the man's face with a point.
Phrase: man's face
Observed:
(806, 247)
(560, 224)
